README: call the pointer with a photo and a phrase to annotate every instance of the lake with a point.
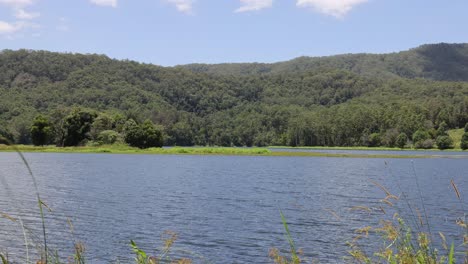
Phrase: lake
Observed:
(225, 209)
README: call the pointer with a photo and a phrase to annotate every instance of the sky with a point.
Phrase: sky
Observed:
(173, 32)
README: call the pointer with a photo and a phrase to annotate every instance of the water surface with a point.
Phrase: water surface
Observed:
(224, 208)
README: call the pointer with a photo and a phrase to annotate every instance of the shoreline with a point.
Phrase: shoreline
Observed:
(233, 151)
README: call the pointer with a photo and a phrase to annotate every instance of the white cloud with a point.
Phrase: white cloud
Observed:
(17, 3)
(12, 30)
(7, 28)
(184, 6)
(111, 3)
(336, 8)
(254, 5)
(22, 14)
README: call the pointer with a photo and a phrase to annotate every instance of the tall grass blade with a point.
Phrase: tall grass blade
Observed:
(295, 258)
(456, 189)
(4, 260)
(39, 201)
(451, 259)
(26, 243)
(422, 199)
(405, 199)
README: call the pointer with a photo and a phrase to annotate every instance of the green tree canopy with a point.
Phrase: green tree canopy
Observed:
(41, 131)
(464, 141)
(145, 135)
(77, 126)
(401, 140)
(444, 142)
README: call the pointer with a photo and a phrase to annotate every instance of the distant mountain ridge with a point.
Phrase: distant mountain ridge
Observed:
(442, 62)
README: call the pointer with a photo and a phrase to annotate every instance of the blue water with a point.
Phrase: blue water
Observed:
(225, 209)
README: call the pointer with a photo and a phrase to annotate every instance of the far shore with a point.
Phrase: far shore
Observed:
(236, 151)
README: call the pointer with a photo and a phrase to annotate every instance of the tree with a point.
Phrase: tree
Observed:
(142, 136)
(466, 128)
(181, 134)
(102, 123)
(419, 137)
(152, 136)
(401, 140)
(390, 137)
(6, 137)
(132, 133)
(442, 130)
(464, 141)
(108, 137)
(444, 142)
(57, 120)
(77, 126)
(21, 130)
(41, 131)
(425, 144)
(374, 140)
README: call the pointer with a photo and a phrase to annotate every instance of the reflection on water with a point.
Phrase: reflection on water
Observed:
(224, 208)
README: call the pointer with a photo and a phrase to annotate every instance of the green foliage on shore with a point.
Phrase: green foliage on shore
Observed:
(304, 102)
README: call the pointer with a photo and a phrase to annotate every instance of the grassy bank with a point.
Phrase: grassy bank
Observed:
(457, 149)
(456, 135)
(124, 149)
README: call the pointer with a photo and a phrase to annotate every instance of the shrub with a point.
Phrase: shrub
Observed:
(374, 140)
(444, 142)
(108, 137)
(142, 136)
(401, 140)
(464, 141)
(390, 137)
(41, 131)
(419, 138)
(5, 137)
(425, 144)
(442, 130)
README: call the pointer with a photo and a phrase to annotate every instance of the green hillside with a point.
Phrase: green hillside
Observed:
(447, 62)
(346, 100)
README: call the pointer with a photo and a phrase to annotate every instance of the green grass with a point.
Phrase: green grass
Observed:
(124, 149)
(456, 135)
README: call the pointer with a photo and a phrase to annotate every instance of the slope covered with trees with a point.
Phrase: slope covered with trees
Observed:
(442, 61)
(347, 100)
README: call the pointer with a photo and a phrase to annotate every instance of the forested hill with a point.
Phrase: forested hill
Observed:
(443, 62)
(335, 101)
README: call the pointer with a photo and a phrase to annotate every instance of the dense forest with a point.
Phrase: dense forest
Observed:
(345, 100)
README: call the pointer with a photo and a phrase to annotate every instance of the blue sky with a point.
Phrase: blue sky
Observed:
(171, 32)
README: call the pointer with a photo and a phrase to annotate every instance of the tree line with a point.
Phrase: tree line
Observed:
(79, 127)
(87, 127)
